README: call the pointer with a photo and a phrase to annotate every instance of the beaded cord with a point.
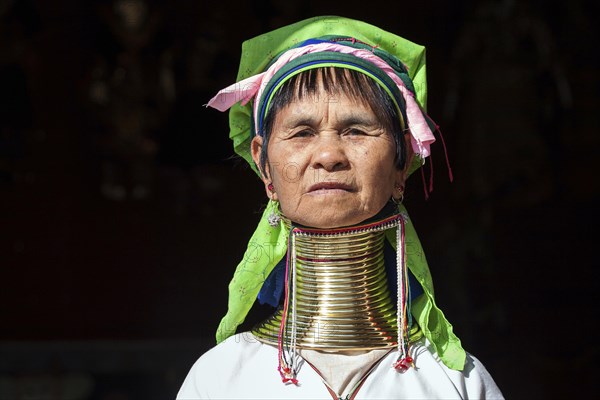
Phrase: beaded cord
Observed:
(404, 360)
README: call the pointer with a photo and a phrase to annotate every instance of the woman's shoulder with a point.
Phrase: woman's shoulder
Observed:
(472, 382)
(222, 367)
(239, 346)
(477, 381)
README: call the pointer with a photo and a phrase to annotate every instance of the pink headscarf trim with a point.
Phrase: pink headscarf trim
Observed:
(243, 91)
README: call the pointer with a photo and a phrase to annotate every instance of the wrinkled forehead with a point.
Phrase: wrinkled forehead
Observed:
(323, 111)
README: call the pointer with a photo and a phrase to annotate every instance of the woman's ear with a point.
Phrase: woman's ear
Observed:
(398, 191)
(402, 174)
(256, 147)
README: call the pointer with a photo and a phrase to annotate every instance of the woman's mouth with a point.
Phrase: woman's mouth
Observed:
(329, 187)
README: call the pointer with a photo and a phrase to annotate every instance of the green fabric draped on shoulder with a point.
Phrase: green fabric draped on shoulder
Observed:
(267, 246)
(430, 318)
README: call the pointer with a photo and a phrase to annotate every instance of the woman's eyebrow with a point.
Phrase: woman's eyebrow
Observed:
(358, 119)
(348, 120)
(300, 120)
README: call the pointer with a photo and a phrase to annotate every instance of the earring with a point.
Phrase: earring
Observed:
(274, 218)
(399, 200)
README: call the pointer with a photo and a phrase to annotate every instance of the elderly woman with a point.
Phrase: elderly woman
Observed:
(329, 112)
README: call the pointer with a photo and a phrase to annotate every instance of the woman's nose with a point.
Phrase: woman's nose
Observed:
(329, 154)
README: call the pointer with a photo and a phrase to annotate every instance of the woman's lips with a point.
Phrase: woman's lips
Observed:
(329, 187)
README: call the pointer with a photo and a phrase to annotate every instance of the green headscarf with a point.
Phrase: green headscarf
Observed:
(268, 244)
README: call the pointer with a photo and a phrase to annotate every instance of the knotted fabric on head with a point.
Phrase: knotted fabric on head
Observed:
(339, 52)
(395, 64)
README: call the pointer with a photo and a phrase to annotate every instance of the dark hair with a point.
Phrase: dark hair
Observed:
(334, 82)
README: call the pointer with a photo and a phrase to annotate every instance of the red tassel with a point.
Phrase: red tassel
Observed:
(430, 173)
(290, 380)
(424, 182)
(450, 175)
(287, 376)
(437, 129)
(403, 364)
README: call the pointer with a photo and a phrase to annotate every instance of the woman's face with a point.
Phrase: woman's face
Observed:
(331, 162)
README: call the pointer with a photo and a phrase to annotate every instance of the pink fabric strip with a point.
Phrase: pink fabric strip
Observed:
(243, 91)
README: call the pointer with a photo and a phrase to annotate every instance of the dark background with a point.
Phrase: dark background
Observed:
(123, 214)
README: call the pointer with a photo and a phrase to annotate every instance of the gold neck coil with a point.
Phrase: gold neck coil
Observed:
(342, 296)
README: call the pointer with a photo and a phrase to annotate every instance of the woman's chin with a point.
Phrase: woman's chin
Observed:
(329, 219)
(332, 211)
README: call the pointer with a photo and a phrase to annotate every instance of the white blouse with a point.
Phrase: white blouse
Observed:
(243, 368)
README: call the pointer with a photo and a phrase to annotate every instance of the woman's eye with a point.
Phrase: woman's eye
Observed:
(303, 133)
(355, 132)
